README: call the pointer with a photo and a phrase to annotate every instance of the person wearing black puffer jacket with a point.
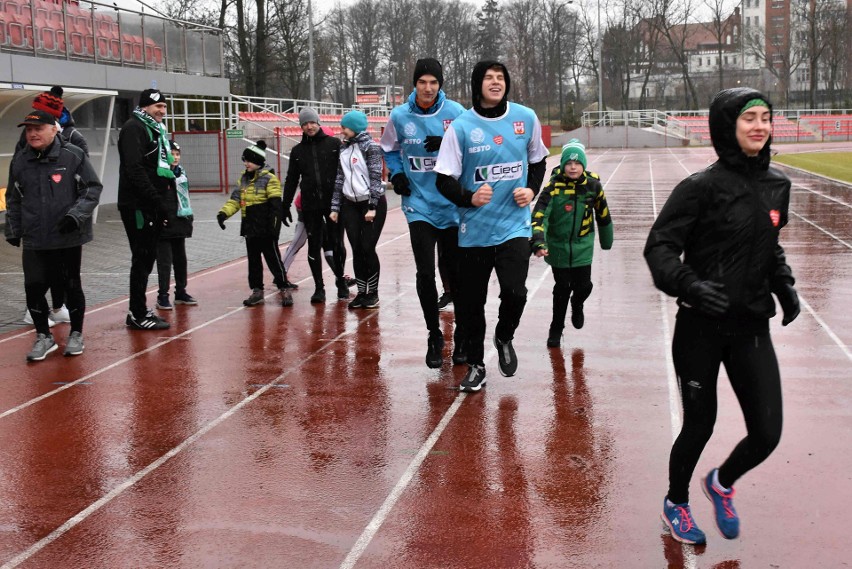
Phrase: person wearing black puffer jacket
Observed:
(725, 220)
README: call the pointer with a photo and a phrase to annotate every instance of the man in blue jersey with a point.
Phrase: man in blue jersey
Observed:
(410, 142)
(491, 165)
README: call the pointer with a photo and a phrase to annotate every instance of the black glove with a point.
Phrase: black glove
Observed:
(286, 217)
(433, 143)
(707, 296)
(535, 245)
(14, 241)
(221, 217)
(789, 303)
(400, 185)
(67, 225)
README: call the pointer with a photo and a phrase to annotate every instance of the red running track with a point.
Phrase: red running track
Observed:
(315, 436)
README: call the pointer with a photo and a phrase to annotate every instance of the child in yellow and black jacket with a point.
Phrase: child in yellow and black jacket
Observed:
(258, 198)
(563, 228)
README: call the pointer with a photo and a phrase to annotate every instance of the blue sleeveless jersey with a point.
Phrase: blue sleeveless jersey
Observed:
(402, 143)
(497, 152)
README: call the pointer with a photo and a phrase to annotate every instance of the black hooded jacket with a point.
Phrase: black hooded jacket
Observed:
(314, 161)
(725, 219)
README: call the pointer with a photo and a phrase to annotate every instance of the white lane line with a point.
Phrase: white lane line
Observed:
(822, 195)
(169, 340)
(129, 482)
(384, 510)
(843, 347)
(829, 233)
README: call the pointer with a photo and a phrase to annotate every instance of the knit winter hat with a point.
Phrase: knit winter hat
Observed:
(429, 66)
(356, 121)
(307, 115)
(150, 97)
(573, 150)
(50, 101)
(256, 153)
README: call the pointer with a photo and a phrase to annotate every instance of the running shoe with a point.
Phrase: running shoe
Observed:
(474, 379)
(358, 301)
(342, 288)
(577, 316)
(459, 353)
(42, 346)
(290, 285)
(507, 360)
(149, 322)
(371, 300)
(185, 298)
(319, 296)
(445, 301)
(727, 519)
(554, 337)
(60, 314)
(28, 319)
(255, 298)
(678, 518)
(287, 297)
(74, 345)
(163, 302)
(435, 350)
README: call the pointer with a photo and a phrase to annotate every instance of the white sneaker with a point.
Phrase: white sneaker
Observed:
(60, 314)
(28, 319)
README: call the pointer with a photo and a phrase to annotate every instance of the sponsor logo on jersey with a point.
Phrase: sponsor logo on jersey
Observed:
(354, 160)
(775, 216)
(498, 139)
(520, 128)
(421, 163)
(410, 129)
(477, 136)
(497, 172)
(447, 123)
(475, 149)
(412, 141)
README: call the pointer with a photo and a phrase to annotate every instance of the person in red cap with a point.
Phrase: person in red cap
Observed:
(53, 191)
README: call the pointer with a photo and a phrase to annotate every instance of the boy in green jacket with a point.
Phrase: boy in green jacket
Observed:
(563, 233)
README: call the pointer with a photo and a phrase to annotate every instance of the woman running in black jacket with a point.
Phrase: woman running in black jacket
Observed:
(725, 221)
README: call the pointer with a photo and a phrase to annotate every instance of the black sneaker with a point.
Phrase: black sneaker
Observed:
(435, 350)
(342, 289)
(445, 302)
(459, 353)
(287, 297)
(554, 337)
(474, 379)
(255, 298)
(163, 302)
(319, 296)
(149, 322)
(358, 301)
(577, 316)
(507, 360)
(291, 286)
(371, 300)
(350, 281)
(185, 298)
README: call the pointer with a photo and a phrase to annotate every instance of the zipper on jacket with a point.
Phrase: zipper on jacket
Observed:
(318, 184)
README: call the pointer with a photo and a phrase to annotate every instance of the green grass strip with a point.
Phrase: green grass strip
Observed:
(837, 165)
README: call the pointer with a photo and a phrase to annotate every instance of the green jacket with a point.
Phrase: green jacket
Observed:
(562, 220)
(258, 198)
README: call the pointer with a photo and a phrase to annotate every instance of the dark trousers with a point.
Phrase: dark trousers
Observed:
(698, 349)
(424, 239)
(449, 269)
(44, 268)
(323, 234)
(576, 280)
(363, 237)
(511, 262)
(143, 233)
(171, 252)
(267, 247)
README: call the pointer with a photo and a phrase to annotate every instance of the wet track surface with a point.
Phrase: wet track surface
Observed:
(315, 436)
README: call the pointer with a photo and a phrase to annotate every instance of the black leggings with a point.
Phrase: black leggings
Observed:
(577, 280)
(424, 238)
(363, 237)
(323, 234)
(44, 268)
(171, 252)
(698, 349)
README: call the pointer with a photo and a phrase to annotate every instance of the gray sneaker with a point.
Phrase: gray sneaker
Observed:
(43, 345)
(74, 345)
(255, 298)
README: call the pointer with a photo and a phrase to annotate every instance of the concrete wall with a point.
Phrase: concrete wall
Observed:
(621, 137)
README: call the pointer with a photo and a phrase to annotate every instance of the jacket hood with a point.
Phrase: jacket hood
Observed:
(362, 139)
(724, 111)
(315, 138)
(476, 78)
(414, 108)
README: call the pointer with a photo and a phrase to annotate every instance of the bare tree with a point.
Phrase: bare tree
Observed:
(780, 55)
(364, 33)
(288, 24)
(460, 37)
(673, 19)
(398, 32)
(521, 22)
(721, 26)
(836, 55)
(490, 31)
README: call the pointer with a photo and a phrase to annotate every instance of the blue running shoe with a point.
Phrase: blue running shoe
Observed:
(727, 519)
(679, 520)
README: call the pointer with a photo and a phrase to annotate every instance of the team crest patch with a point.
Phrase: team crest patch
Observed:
(447, 123)
(498, 139)
(409, 129)
(56, 178)
(354, 160)
(775, 216)
(520, 128)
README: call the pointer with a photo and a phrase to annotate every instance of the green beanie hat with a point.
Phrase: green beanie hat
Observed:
(573, 150)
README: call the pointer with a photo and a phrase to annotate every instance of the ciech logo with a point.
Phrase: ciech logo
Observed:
(497, 172)
(421, 163)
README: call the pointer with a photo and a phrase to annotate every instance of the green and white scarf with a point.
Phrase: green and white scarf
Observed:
(164, 151)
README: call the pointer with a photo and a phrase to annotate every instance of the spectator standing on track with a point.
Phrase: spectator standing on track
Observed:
(563, 228)
(171, 250)
(258, 199)
(145, 177)
(410, 143)
(313, 168)
(53, 191)
(491, 164)
(725, 221)
(359, 201)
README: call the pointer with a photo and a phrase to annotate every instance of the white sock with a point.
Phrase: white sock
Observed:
(716, 484)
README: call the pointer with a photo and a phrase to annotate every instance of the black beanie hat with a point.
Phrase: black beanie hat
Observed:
(429, 66)
(150, 97)
(478, 75)
(256, 154)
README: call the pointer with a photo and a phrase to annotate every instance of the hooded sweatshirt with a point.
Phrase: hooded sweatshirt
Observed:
(725, 220)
